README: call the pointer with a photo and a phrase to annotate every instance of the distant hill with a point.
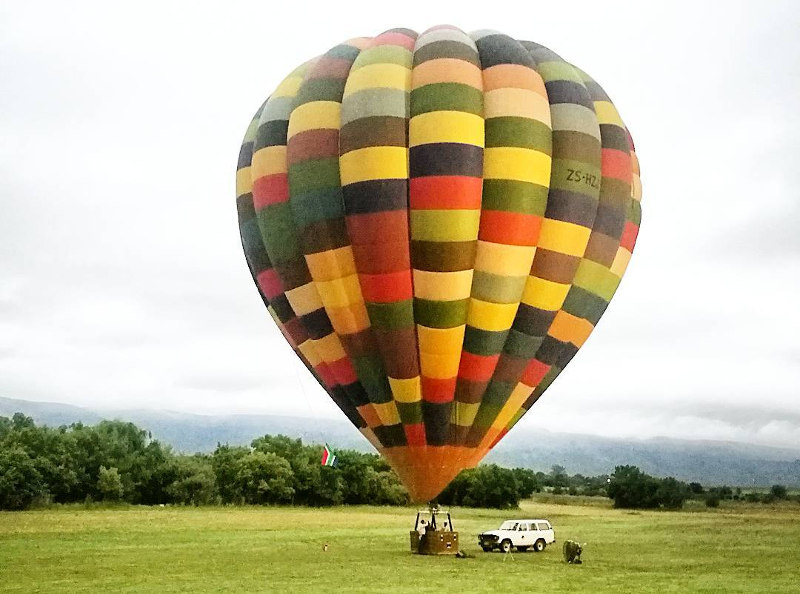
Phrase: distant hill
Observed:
(708, 462)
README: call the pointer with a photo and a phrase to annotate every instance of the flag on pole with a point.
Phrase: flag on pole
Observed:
(328, 457)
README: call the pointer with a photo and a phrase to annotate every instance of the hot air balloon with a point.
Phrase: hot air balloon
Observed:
(436, 223)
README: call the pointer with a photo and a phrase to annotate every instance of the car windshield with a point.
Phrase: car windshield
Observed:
(508, 525)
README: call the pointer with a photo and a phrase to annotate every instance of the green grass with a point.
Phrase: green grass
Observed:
(737, 548)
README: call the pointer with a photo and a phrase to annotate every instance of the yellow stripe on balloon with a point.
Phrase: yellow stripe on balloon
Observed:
(620, 263)
(315, 115)
(331, 264)
(445, 225)
(565, 238)
(378, 76)
(437, 365)
(515, 401)
(349, 319)
(406, 390)
(374, 162)
(544, 294)
(442, 286)
(503, 259)
(340, 292)
(607, 113)
(244, 183)
(516, 163)
(310, 352)
(440, 339)
(268, 161)
(464, 413)
(387, 413)
(446, 126)
(521, 103)
(304, 299)
(491, 316)
(330, 348)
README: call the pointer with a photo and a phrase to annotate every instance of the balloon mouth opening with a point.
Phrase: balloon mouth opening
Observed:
(426, 471)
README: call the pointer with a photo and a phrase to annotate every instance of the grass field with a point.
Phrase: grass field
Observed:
(734, 549)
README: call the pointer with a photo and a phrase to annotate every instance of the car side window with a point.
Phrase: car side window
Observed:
(523, 526)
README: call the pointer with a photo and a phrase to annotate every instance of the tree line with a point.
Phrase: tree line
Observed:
(119, 462)
(116, 461)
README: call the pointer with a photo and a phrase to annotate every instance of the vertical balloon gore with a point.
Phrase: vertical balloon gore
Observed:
(436, 223)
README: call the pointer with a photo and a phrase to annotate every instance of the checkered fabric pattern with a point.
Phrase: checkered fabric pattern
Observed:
(436, 223)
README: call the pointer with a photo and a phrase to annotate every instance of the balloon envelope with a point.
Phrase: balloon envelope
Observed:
(436, 223)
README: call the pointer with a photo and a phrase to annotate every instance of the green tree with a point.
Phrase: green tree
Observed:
(224, 462)
(20, 482)
(264, 477)
(696, 488)
(109, 484)
(194, 481)
(526, 481)
(672, 493)
(632, 488)
(488, 485)
(779, 492)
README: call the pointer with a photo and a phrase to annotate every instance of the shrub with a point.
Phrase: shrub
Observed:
(779, 492)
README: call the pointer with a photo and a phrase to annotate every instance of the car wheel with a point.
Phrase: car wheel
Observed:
(539, 545)
(505, 546)
(522, 549)
(487, 549)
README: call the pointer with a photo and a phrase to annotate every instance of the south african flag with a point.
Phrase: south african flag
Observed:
(328, 457)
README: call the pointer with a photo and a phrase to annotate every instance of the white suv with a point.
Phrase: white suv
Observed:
(523, 534)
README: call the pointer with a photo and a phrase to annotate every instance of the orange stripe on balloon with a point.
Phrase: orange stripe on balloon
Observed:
(445, 192)
(510, 228)
(386, 288)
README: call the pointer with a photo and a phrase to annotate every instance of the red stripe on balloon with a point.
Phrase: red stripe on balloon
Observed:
(270, 189)
(438, 391)
(386, 288)
(325, 375)
(534, 373)
(629, 234)
(270, 283)
(477, 368)
(378, 227)
(616, 164)
(445, 192)
(415, 434)
(510, 228)
(343, 371)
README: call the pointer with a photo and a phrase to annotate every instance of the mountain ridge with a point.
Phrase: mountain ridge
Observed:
(705, 461)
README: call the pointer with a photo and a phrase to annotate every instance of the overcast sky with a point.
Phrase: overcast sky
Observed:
(123, 285)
